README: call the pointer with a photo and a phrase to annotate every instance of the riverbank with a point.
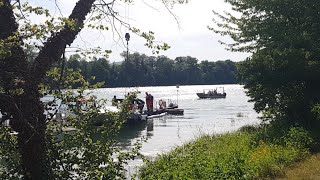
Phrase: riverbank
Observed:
(252, 153)
(308, 169)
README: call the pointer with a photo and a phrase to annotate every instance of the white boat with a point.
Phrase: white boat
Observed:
(156, 115)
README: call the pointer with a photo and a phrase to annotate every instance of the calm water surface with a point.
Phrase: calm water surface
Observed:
(201, 116)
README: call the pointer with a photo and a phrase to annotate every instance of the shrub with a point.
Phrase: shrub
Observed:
(241, 155)
(250, 128)
(299, 138)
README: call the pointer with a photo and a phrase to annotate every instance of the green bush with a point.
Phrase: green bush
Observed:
(250, 128)
(299, 138)
(240, 155)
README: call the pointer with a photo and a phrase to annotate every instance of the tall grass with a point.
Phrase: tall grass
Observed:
(308, 169)
(240, 155)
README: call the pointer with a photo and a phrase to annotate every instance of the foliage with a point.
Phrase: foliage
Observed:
(151, 71)
(308, 169)
(298, 138)
(77, 147)
(9, 155)
(29, 147)
(282, 74)
(229, 156)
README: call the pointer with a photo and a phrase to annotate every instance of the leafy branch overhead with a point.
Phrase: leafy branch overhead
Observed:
(282, 74)
(23, 78)
(102, 17)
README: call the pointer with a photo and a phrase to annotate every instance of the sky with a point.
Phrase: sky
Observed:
(187, 35)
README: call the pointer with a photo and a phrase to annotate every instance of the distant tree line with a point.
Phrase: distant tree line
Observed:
(143, 70)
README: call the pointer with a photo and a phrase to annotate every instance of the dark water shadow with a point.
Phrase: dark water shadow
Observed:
(129, 132)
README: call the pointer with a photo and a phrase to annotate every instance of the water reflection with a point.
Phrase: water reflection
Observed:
(134, 131)
(149, 128)
(233, 123)
(208, 116)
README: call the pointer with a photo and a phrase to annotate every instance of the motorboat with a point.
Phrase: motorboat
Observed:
(212, 94)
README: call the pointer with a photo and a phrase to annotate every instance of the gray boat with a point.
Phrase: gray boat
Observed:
(212, 94)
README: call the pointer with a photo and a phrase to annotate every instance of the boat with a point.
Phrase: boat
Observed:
(175, 111)
(212, 94)
(171, 109)
(156, 115)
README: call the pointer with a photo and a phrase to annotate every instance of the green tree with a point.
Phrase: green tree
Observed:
(100, 69)
(114, 75)
(21, 81)
(187, 70)
(225, 72)
(208, 76)
(74, 62)
(282, 75)
(164, 71)
(142, 70)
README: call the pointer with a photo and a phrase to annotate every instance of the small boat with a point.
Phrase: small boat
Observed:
(156, 115)
(212, 94)
(171, 109)
(175, 111)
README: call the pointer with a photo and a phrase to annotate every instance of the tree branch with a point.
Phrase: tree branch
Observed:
(8, 23)
(54, 47)
(15, 60)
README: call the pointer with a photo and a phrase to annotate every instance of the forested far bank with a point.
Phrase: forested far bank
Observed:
(143, 70)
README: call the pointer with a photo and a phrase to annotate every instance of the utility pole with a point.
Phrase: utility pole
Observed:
(177, 94)
(127, 36)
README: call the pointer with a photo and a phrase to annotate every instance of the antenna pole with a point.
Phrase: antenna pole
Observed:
(127, 50)
(177, 94)
(127, 36)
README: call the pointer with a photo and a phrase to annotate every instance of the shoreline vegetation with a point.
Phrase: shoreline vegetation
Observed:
(143, 70)
(307, 169)
(250, 153)
(280, 76)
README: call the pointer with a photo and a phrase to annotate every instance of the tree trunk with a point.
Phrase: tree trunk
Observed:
(30, 123)
(26, 111)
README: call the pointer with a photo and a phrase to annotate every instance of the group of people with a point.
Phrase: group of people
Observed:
(213, 92)
(140, 103)
(115, 101)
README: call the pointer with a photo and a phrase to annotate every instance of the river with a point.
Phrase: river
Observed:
(201, 116)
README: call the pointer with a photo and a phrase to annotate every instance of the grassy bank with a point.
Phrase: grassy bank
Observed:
(308, 169)
(240, 155)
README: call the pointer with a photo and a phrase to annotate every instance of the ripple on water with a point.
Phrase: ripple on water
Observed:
(200, 115)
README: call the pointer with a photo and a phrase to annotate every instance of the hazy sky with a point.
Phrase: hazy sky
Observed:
(190, 37)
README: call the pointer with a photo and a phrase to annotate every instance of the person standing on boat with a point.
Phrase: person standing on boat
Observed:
(140, 103)
(114, 101)
(149, 102)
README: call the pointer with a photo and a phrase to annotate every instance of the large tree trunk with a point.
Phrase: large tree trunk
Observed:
(26, 111)
(31, 128)
(29, 121)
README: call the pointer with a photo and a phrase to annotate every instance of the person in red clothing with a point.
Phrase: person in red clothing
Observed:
(148, 102)
(151, 101)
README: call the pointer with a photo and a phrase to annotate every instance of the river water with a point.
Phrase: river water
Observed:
(201, 116)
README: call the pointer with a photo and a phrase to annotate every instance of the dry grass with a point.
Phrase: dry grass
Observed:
(307, 170)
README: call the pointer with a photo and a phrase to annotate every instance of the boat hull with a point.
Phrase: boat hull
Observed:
(175, 111)
(211, 96)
